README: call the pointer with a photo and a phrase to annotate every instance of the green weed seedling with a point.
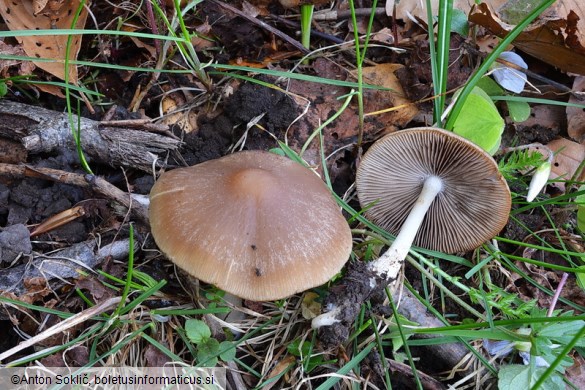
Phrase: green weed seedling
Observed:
(518, 110)
(545, 354)
(208, 348)
(480, 122)
(303, 350)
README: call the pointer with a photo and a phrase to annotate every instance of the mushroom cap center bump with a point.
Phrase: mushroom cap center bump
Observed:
(255, 182)
(255, 224)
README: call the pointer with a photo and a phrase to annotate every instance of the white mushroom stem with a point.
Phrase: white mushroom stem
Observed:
(391, 261)
(326, 319)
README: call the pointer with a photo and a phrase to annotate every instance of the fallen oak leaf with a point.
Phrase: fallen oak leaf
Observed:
(552, 40)
(576, 115)
(568, 157)
(21, 16)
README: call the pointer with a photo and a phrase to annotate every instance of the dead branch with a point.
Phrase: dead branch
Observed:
(63, 326)
(93, 183)
(41, 130)
(61, 265)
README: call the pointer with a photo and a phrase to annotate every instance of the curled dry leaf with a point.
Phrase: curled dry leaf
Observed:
(310, 307)
(555, 39)
(406, 9)
(24, 67)
(576, 115)
(49, 8)
(568, 157)
(56, 14)
(39, 6)
(185, 119)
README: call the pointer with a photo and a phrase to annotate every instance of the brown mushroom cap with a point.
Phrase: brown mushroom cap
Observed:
(472, 207)
(255, 224)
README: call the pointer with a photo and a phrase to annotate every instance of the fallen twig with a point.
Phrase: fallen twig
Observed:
(63, 326)
(42, 131)
(64, 264)
(94, 183)
(297, 45)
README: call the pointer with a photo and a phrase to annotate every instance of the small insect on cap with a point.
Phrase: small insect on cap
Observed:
(257, 225)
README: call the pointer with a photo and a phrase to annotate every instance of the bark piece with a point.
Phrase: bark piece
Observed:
(43, 131)
(64, 264)
(14, 240)
(94, 183)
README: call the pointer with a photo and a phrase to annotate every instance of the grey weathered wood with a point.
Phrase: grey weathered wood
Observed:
(41, 130)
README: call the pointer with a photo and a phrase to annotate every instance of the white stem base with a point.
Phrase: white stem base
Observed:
(326, 319)
(391, 262)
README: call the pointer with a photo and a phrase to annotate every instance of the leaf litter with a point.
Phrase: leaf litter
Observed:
(254, 114)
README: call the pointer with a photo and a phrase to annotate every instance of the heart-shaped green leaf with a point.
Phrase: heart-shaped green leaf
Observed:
(480, 122)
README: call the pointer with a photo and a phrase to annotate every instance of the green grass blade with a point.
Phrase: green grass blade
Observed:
(353, 363)
(484, 67)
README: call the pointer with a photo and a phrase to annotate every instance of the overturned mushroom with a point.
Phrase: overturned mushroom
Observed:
(255, 224)
(432, 188)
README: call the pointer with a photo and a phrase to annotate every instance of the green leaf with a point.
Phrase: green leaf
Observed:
(490, 87)
(277, 151)
(563, 332)
(459, 23)
(207, 352)
(229, 351)
(197, 331)
(395, 337)
(298, 349)
(480, 122)
(514, 376)
(519, 111)
(3, 89)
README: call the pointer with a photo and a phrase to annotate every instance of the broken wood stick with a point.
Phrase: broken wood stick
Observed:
(42, 131)
(92, 182)
(64, 264)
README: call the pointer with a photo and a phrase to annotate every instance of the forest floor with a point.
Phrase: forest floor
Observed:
(153, 101)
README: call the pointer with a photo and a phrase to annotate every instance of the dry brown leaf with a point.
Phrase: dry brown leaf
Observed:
(278, 369)
(49, 8)
(545, 117)
(375, 100)
(416, 8)
(58, 220)
(568, 157)
(310, 307)
(343, 131)
(575, 115)
(250, 9)
(201, 40)
(139, 43)
(555, 40)
(7, 49)
(174, 116)
(50, 89)
(574, 12)
(21, 16)
(38, 6)
(385, 35)
(576, 373)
